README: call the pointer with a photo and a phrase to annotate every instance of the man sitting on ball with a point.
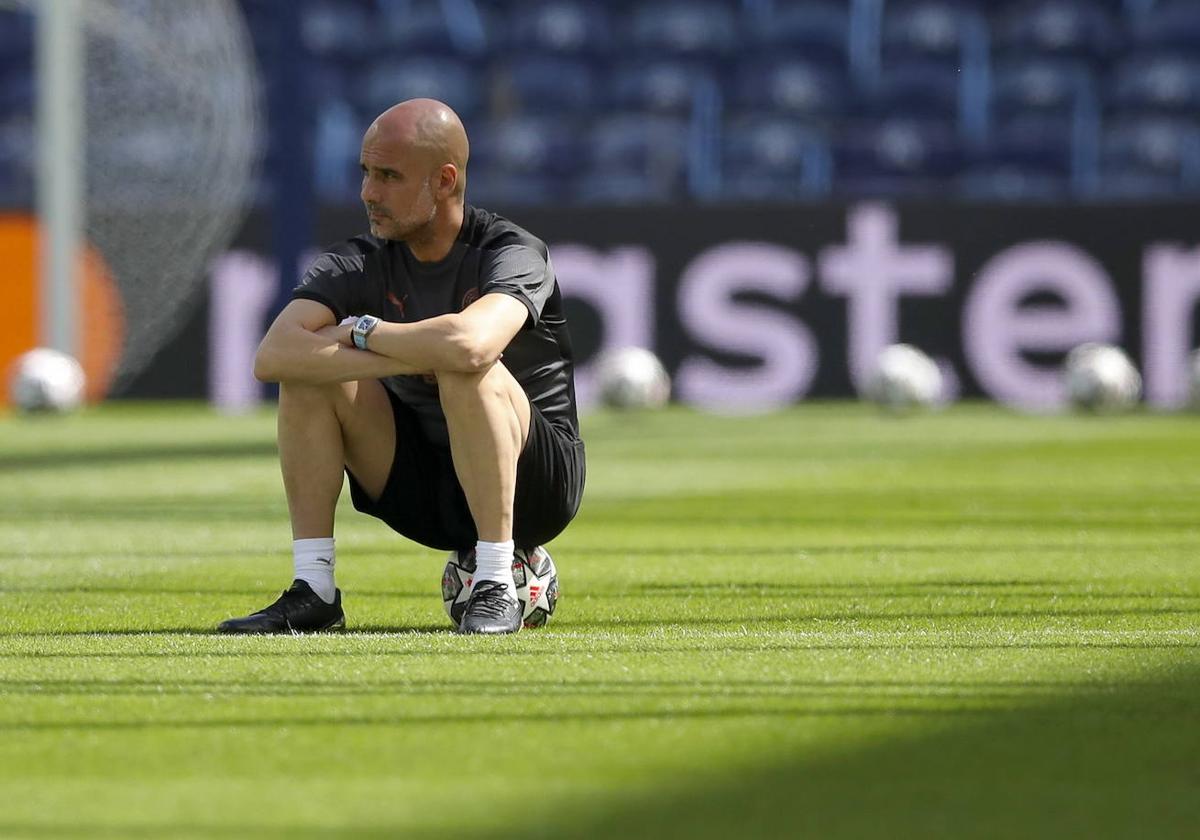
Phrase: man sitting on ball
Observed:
(430, 361)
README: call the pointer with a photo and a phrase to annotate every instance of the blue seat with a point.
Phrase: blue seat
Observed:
(1152, 146)
(1169, 25)
(333, 28)
(1076, 29)
(1034, 142)
(559, 27)
(1010, 182)
(624, 187)
(16, 37)
(817, 30)
(17, 146)
(767, 157)
(17, 90)
(918, 88)
(814, 92)
(697, 29)
(929, 30)
(889, 151)
(1159, 82)
(1039, 85)
(453, 82)
(336, 144)
(526, 145)
(499, 190)
(937, 43)
(328, 80)
(416, 27)
(548, 84)
(636, 146)
(1136, 184)
(663, 86)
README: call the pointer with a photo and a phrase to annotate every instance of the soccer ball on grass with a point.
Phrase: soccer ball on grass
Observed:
(632, 378)
(904, 378)
(533, 571)
(1100, 377)
(45, 380)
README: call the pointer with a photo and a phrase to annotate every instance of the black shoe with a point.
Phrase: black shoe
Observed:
(490, 609)
(298, 610)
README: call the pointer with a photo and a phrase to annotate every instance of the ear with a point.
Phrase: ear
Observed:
(447, 180)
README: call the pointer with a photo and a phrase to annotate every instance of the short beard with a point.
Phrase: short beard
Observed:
(418, 230)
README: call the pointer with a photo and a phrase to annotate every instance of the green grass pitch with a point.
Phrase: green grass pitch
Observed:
(821, 623)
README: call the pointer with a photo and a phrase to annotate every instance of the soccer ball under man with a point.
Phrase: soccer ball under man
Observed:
(632, 377)
(1100, 377)
(46, 380)
(533, 572)
(904, 378)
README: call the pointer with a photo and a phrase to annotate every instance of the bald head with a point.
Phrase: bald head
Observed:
(427, 128)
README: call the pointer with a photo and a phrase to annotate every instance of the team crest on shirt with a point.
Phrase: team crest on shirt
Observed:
(470, 297)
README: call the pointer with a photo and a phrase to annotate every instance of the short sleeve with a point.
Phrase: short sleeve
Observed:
(522, 272)
(335, 280)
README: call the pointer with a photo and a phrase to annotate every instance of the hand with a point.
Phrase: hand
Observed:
(339, 332)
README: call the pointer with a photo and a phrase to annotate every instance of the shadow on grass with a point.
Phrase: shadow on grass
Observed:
(56, 459)
(1094, 764)
(798, 621)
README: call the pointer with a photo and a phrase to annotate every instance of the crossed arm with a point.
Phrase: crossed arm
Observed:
(305, 344)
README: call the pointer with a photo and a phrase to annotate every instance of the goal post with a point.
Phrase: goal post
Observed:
(61, 191)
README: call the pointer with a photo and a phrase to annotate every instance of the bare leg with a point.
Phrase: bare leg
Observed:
(322, 430)
(488, 417)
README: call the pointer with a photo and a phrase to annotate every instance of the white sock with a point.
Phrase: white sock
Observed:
(493, 561)
(314, 561)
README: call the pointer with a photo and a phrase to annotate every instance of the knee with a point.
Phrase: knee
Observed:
(454, 385)
(304, 396)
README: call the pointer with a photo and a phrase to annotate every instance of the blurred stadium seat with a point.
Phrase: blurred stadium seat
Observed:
(1172, 25)
(898, 156)
(918, 89)
(386, 82)
(773, 158)
(661, 86)
(1149, 156)
(1044, 86)
(1024, 85)
(1078, 29)
(339, 131)
(562, 27)
(937, 46)
(1009, 182)
(546, 84)
(791, 87)
(332, 28)
(526, 146)
(697, 29)
(635, 157)
(1157, 82)
(817, 31)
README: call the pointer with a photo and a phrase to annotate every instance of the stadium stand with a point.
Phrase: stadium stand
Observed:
(583, 101)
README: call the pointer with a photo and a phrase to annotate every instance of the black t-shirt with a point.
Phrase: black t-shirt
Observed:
(366, 275)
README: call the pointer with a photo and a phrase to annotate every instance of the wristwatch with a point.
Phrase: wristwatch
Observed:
(363, 328)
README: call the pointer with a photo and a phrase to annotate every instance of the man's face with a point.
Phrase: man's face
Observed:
(397, 189)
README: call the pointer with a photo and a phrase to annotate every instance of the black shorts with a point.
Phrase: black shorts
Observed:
(424, 501)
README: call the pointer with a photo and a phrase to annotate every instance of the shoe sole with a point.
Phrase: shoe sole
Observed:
(337, 625)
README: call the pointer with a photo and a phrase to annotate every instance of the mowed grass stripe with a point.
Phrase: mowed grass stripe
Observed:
(822, 621)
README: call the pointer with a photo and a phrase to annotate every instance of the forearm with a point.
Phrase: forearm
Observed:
(440, 343)
(300, 355)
